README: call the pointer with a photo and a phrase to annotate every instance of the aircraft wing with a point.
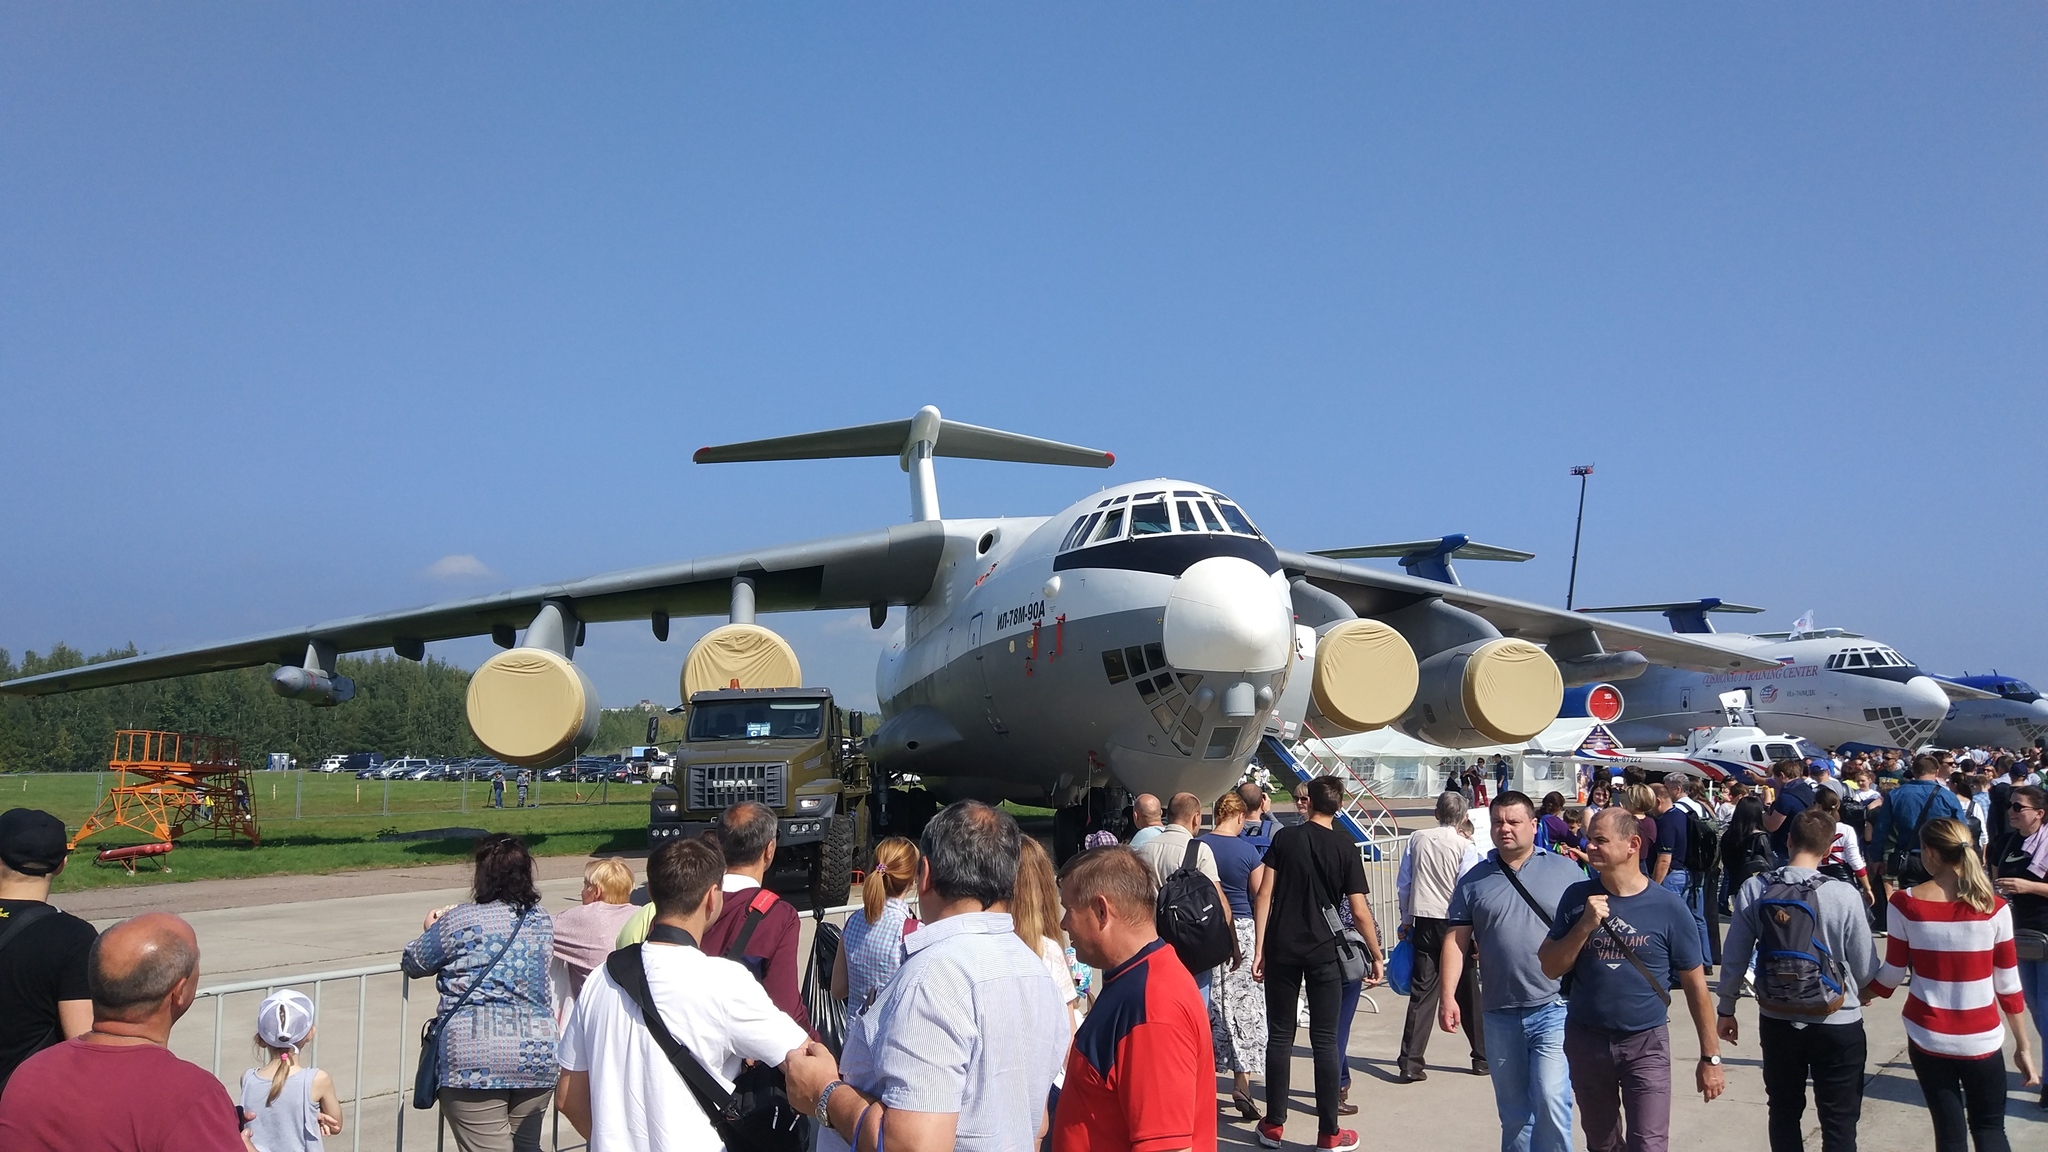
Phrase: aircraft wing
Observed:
(894, 565)
(1371, 592)
(1957, 691)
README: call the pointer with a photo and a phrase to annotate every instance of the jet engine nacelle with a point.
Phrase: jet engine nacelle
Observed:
(312, 685)
(532, 707)
(1498, 691)
(1365, 677)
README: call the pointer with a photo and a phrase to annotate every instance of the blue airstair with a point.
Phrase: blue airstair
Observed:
(1364, 816)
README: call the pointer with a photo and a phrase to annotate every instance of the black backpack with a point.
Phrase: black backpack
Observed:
(1192, 917)
(1795, 973)
(1702, 845)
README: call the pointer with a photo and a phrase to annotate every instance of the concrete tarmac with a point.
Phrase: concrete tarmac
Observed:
(363, 919)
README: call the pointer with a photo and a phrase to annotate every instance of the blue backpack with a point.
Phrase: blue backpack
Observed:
(1796, 975)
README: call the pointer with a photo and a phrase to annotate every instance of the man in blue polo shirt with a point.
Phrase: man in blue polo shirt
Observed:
(1141, 1076)
(1625, 940)
(1505, 905)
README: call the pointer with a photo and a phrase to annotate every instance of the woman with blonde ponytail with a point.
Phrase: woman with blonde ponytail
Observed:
(1955, 936)
(872, 948)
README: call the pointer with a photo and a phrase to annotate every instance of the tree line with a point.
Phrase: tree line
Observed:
(400, 708)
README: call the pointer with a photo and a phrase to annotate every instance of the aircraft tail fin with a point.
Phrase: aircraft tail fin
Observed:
(1431, 559)
(914, 442)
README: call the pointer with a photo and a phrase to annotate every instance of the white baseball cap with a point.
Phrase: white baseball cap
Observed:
(285, 1019)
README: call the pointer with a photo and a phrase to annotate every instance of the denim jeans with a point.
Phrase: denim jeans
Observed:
(2034, 986)
(1532, 1087)
(1347, 1007)
(1678, 880)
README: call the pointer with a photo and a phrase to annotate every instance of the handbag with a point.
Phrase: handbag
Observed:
(1354, 963)
(426, 1079)
(756, 1116)
(1401, 967)
(2032, 946)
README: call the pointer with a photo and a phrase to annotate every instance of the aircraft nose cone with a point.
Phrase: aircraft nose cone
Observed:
(1226, 614)
(1925, 700)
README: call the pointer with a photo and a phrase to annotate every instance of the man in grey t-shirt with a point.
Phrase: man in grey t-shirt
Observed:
(1523, 1009)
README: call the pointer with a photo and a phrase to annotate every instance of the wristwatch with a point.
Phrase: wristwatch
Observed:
(825, 1102)
(1715, 1060)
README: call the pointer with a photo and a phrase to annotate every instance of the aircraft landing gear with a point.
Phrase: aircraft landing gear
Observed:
(1105, 809)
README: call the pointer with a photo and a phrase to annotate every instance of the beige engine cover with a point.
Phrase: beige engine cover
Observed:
(1500, 691)
(740, 656)
(1365, 675)
(532, 707)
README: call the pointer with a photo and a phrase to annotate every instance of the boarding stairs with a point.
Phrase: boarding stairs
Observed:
(1364, 815)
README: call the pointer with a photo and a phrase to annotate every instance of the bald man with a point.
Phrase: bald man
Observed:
(1150, 817)
(118, 1088)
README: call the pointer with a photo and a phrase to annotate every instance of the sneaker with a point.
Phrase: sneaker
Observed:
(1270, 1134)
(1344, 1141)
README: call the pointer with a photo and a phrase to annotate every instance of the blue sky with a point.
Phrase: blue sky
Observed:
(296, 301)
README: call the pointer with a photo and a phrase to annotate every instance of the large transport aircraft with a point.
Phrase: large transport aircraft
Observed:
(1142, 639)
(2014, 717)
(1830, 686)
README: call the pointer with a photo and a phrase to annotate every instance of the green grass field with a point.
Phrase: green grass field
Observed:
(340, 820)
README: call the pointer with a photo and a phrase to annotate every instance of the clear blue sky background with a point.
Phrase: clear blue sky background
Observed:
(296, 300)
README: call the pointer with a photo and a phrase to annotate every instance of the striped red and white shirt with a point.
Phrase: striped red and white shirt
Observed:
(1964, 967)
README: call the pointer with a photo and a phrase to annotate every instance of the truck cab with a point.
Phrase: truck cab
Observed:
(786, 748)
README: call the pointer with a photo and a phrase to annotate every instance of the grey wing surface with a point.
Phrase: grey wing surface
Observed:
(894, 565)
(1371, 592)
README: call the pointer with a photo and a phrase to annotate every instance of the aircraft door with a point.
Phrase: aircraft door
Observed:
(988, 695)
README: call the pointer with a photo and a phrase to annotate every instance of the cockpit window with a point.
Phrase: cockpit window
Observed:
(1079, 531)
(1236, 519)
(1187, 518)
(1112, 526)
(1209, 518)
(1783, 752)
(1150, 519)
(1852, 660)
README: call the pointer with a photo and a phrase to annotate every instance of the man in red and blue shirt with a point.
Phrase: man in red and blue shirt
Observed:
(1141, 1076)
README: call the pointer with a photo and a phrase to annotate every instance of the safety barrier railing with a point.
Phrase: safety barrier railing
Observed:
(374, 1078)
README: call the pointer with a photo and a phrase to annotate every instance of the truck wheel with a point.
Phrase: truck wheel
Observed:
(832, 870)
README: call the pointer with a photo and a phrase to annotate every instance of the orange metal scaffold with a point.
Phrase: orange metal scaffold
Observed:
(176, 782)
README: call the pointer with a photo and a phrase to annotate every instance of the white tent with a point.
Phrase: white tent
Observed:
(1398, 766)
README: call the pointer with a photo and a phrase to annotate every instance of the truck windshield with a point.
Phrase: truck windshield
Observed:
(751, 719)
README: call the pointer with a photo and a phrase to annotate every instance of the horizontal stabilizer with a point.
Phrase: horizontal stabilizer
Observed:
(893, 438)
(1468, 551)
(1431, 559)
(1685, 615)
(1709, 604)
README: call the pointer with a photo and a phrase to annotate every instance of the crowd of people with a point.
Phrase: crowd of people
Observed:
(993, 1001)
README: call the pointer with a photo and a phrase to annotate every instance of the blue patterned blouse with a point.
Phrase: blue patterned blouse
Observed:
(504, 1037)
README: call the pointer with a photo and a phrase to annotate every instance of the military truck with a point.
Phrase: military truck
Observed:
(789, 749)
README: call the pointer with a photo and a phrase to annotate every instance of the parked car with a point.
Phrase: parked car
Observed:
(333, 763)
(403, 768)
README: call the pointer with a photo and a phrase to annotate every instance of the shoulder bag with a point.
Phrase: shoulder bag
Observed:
(1354, 963)
(426, 1079)
(756, 1116)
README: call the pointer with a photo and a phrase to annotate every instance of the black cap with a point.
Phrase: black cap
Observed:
(32, 842)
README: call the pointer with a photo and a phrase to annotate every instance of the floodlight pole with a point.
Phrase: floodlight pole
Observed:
(1581, 471)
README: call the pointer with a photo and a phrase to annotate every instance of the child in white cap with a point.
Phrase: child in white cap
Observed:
(288, 1106)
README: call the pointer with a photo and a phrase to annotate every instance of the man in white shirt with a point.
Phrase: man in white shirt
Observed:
(617, 1087)
(1429, 872)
